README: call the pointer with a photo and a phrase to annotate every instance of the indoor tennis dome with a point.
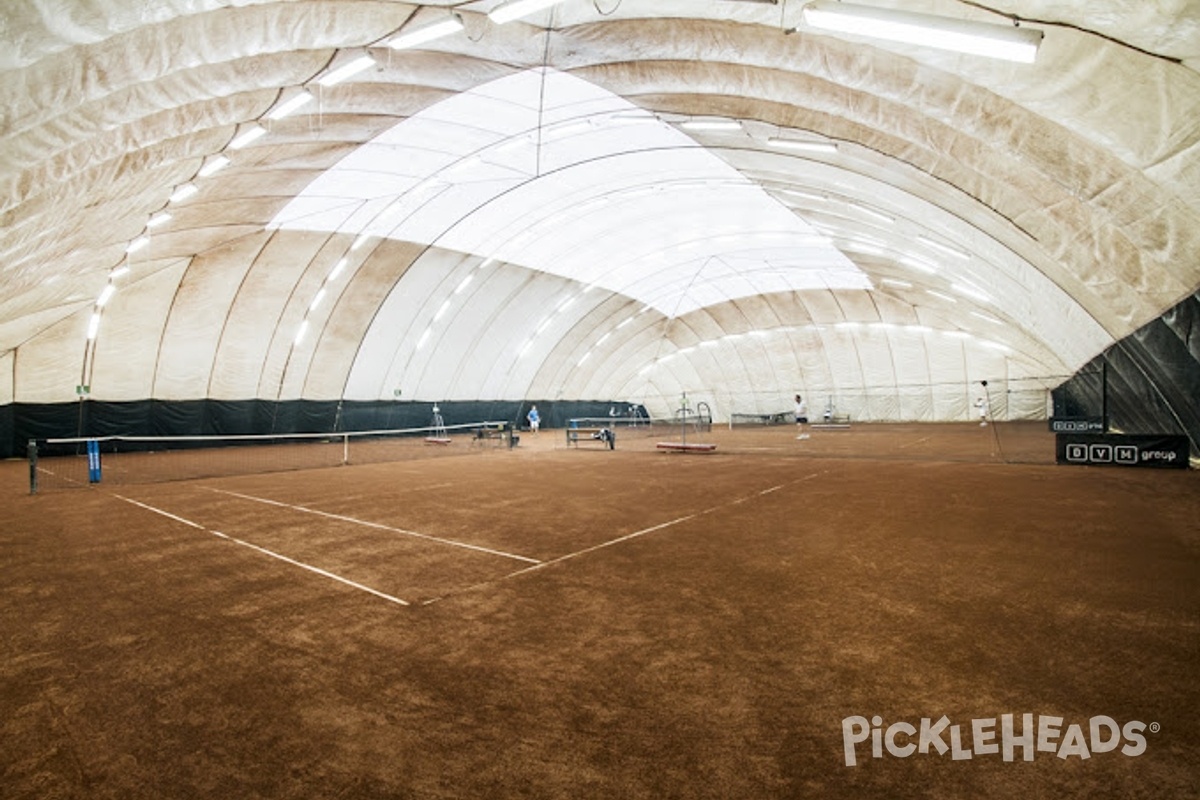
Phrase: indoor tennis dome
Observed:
(252, 216)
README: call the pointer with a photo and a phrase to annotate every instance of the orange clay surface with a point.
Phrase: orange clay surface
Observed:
(554, 622)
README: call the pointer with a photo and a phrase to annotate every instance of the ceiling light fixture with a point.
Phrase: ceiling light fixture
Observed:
(215, 165)
(105, 295)
(346, 71)
(711, 125)
(1007, 42)
(137, 244)
(429, 33)
(183, 192)
(802, 145)
(251, 134)
(945, 248)
(161, 218)
(507, 12)
(290, 106)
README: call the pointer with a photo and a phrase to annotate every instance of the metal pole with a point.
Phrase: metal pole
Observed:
(1104, 395)
(32, 451)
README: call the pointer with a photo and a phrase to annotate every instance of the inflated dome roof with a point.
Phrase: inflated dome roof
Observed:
(608, 199)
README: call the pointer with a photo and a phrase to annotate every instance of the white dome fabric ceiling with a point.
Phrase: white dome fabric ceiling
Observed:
(528, 210)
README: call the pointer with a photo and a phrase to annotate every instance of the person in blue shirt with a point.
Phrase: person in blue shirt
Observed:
(535, 419)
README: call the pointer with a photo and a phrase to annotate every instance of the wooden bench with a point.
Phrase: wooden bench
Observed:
(602, 436)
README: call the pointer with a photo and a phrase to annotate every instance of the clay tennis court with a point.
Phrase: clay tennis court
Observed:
(576, 622)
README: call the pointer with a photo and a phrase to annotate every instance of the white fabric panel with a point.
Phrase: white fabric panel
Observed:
(355, 298)
(126, 348)
(7, 364)
(388, 356)
(197, 318)
(547, 171)
(1073, 183)
(50, 365)
(615, 361)
(283, 271)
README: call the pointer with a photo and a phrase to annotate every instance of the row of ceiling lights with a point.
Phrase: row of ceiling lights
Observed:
(294, 102)
(503, 13)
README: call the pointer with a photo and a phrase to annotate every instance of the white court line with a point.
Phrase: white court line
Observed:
(377, 525)
(266, 552)
(627, 537)
(596, 547)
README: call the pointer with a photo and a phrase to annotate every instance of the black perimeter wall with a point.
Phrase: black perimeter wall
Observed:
(20, 422)
(1148, 382)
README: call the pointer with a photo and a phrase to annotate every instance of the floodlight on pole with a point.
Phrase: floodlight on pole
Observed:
(1008, 42)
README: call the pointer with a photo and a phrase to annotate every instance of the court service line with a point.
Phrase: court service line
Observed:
(626, 537)
(593, 548)
(264, 551)
(377, 525)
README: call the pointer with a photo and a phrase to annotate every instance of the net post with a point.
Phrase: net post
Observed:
(345, 449)
(32, 451)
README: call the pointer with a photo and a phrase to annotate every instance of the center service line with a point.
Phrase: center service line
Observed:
(627, 537)
(266, 552)
(376, 525)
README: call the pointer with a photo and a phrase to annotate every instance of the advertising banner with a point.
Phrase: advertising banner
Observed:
(1118, 450)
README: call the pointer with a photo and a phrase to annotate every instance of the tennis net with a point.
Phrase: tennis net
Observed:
(80, 462)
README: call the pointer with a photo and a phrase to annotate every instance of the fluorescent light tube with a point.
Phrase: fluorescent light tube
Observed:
(1007, 42)
(870, 212)
(427, 34)
(93, 327)
(183, 192)
(137, 244)
(711, 125)
(161, 218)
(290, 106)
(217, 164)
(105, 296)
(802, 145)
(300, 333)
(945, 248)
(970, 291)
(517, 9)
(919, 265)
(347, 70)
(247, 136)
(337, 269)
